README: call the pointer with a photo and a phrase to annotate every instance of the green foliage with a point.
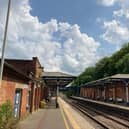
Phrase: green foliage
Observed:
(123, 64)
(69, 93)
(7, 120)
(86, 76)
(122, 52)
(101, 68)
(107, 66)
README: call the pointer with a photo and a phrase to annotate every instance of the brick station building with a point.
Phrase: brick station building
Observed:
(114, 88)
(21, 84)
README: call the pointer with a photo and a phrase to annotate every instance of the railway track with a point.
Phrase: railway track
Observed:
(105, 120)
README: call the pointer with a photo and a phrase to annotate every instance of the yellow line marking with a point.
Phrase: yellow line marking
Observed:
(70, 117)
(65, 121)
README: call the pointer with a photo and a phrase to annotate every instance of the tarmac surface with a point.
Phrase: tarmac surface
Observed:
(63, 117)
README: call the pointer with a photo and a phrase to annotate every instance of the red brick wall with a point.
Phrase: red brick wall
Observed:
(121, 91)
(33, 98)
(11, 78)
(37, 97)
(81, 91)
(24, 102)
(95, 93)
(85, 92)
(27, 66)
(92, 92)
(109, 94)
(7, 91)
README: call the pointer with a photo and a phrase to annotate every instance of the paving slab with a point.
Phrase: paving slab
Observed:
(49, 118)
(44, 119)
(64, 117)
(76, 120)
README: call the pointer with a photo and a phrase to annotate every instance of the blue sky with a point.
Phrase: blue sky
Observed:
(81, 12)
(66, 35)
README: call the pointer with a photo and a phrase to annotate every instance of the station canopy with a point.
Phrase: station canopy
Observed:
(53, 79)
(109, 80)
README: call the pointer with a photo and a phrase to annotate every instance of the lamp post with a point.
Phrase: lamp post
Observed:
(4, 42)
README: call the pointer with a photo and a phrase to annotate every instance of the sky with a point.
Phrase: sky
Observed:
(66, 35)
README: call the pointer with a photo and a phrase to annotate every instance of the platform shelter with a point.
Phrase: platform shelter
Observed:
(56, 80)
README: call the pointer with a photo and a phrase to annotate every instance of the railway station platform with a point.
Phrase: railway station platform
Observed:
(122, 107)
(64, 117)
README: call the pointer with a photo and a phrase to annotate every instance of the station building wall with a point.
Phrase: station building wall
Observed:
(16, 78)
(115, 92)
(34, 69)
(8, 92)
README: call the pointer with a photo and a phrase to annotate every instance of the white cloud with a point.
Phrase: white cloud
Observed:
(107, 2)
(115, 32)
(70, 51)
(124, 9)
(79, 49)
(122, 12)
(117, 29)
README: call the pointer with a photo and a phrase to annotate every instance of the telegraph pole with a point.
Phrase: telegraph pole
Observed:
(4, 42)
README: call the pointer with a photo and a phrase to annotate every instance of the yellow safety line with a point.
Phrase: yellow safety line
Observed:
(71, 118)
(65, 121)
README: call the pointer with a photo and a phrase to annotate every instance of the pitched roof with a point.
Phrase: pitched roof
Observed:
(116, 77)
(15, 70)
(51, 78)
(120, 76)
(56, 74)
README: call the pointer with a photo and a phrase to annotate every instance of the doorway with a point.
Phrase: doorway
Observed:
(17, 103)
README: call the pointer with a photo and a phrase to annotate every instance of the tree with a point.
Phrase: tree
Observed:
(101, 68)
(107, 66)
(122, 65)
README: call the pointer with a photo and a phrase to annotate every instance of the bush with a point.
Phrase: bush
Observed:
(7, 120)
